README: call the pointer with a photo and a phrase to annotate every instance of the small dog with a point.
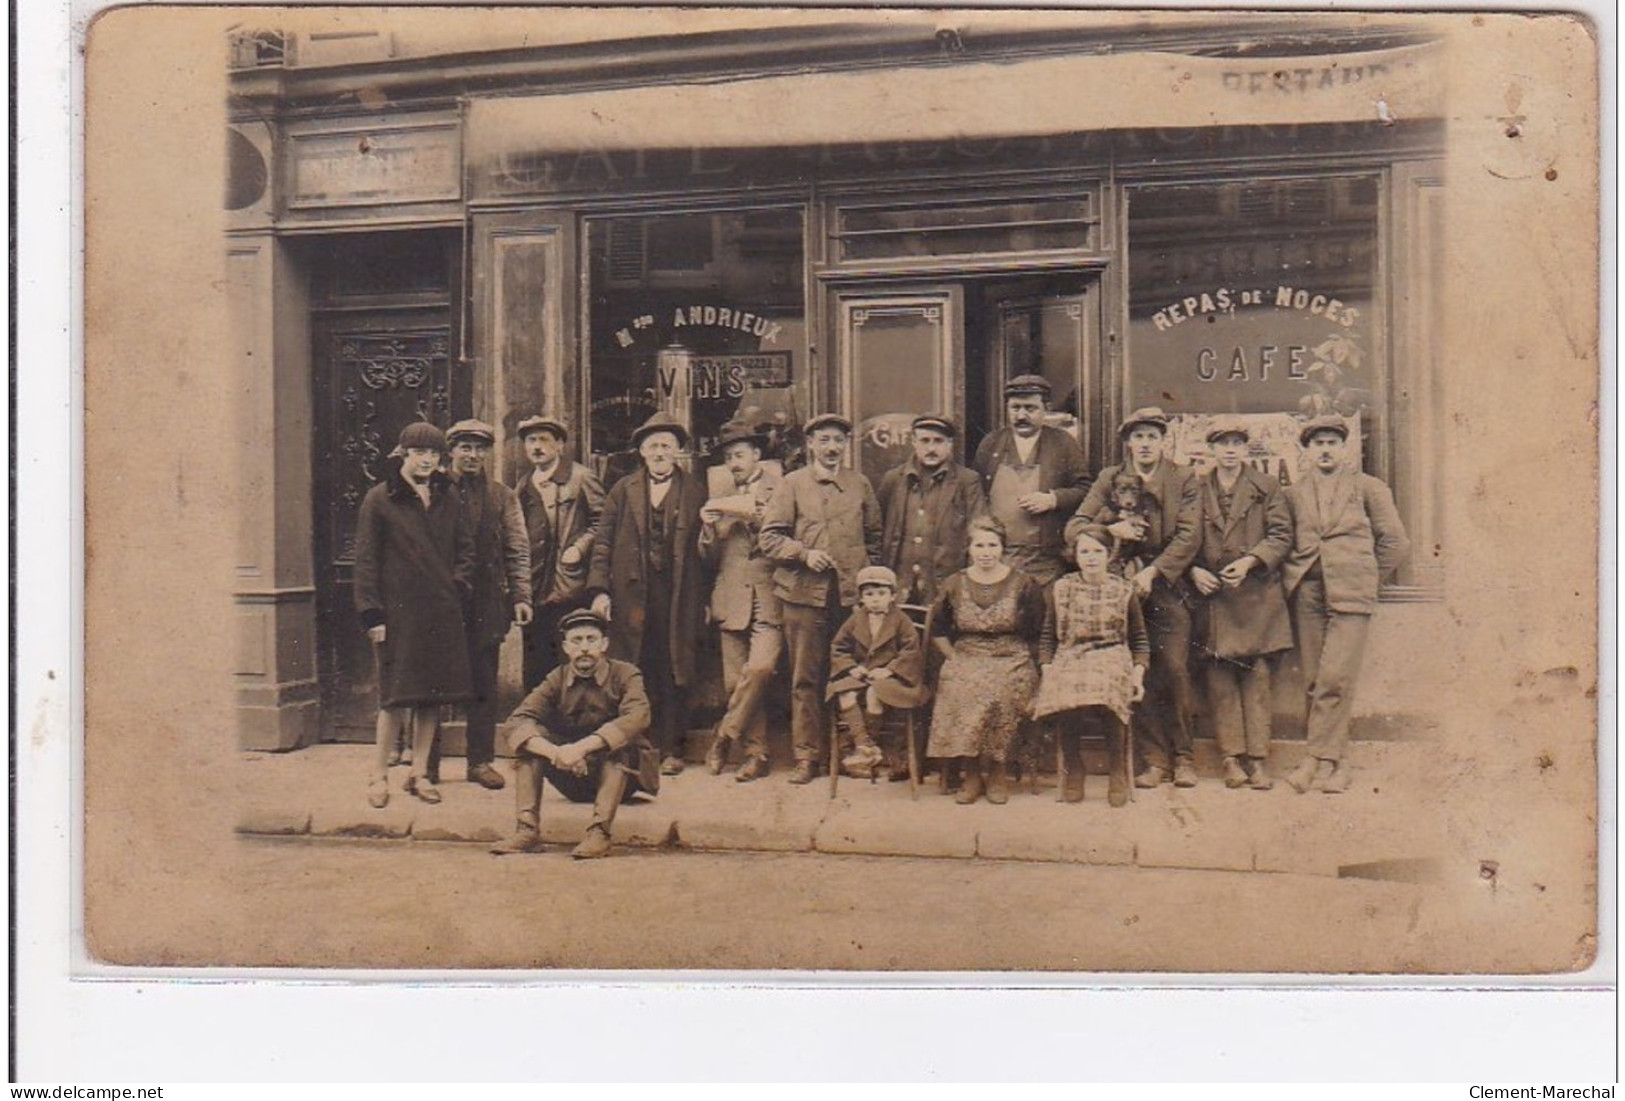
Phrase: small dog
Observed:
(1128, 500)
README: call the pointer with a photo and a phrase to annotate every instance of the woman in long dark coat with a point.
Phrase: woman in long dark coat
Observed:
(1246, 534)
(414, 574)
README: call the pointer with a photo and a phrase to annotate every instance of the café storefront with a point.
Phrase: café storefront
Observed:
(1212, 225)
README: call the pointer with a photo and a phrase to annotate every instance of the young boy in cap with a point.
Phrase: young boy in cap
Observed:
(582, 729)
(1034, 476)
(743, 606)
(501, 587)
(821, 528)
(414, 572)
(925, 505)
(1169, 541)
(1347, 537)
(1246, 534)
(876, 661)
(560, 500)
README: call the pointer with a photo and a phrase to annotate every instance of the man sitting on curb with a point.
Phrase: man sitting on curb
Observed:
(584, 729)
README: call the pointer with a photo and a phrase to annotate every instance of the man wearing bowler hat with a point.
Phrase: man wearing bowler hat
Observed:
(821, 528)
(501, 587)
(645, 577)
(1034, 476)
(1169, 538)
(583, 730)
(743, 605)
(925, 505)
(560, 501)
(1347, 537)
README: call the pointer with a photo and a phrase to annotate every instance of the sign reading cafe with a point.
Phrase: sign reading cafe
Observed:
(1261, 360)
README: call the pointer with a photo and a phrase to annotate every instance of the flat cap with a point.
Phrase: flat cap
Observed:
(935, 422)
(583, 617)
(540, 423)
(1227, 426)
(827, 420)
(1149, 414)
(877, 575)
(1027, 384)
(471, 430)
(1330, 422)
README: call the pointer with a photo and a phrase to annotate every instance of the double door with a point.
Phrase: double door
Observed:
(950, 347)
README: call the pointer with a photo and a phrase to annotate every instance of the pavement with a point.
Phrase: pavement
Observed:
(1382, 828)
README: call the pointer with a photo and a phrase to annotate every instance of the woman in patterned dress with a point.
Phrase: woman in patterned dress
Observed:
(1094, 650)
(985, 621)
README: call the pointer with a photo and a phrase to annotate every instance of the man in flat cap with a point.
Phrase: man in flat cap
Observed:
(743, 605)
(1169, 536)
(560, 501)
(583, 730)
(414, 574)
(821, 528)
(1034, 476)
(501, 587)
(925, 505)
(1347, 537)
(645, 577)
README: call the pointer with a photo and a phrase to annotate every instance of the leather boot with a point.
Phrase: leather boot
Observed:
(1076, 773)
(998, 781)
(1304, 775)
(970, 788)
(1117, 758)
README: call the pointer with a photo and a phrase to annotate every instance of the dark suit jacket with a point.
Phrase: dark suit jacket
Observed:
(946, 521)
(1250, 619)
(620, 568)
(1174, 533)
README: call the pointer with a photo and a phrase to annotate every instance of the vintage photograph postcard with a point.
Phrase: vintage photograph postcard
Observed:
(868, 490)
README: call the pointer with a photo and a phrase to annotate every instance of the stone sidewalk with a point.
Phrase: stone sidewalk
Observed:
(1378, 829)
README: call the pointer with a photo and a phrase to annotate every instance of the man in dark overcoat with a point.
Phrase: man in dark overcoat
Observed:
(1034, 476)
(560, 500)
(414, 574)
(501, 588)
(926, 505)
(1347, 537)
(1246, 534)
(1168, 537)
(645, 577)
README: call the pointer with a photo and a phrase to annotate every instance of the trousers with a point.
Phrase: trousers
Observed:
(1331, 647)
(481, 709)
(606, 785)
(668, 704)
(1238, 693)
(1162, 724)
(749, 660)
(806, 636)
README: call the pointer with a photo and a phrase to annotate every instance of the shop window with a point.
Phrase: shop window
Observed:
(701, 316)
(1257, 298)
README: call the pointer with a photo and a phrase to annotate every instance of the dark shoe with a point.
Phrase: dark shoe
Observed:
(594, 845)
(998, 783)
(395, 755)
(752, 768)
(805, 772)
(671, 766)
(1184, 773)
(487, 777)
(717, 755)
(1234, 775)
(1303, 777)
(378, 793)
(1117, 791)
(405, 757)
(1151, 777)
(423, 789)
(523, 840)
(432, 773)
(1261, 780)
(971, 789)
(1338, 782)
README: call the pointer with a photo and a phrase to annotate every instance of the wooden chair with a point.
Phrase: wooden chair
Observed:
(920, 616)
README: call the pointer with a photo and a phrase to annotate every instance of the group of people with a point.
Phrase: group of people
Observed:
(1008, 604)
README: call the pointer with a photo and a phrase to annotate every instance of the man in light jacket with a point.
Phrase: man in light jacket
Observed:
(1347, 537)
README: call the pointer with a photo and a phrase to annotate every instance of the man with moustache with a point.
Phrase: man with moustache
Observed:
(1347, 537)
(560, 501)
(743, 605)
(645, 577)
(926, 504)
(821, 528)
(1034, 476)
(501, 588)
(1169, 538)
